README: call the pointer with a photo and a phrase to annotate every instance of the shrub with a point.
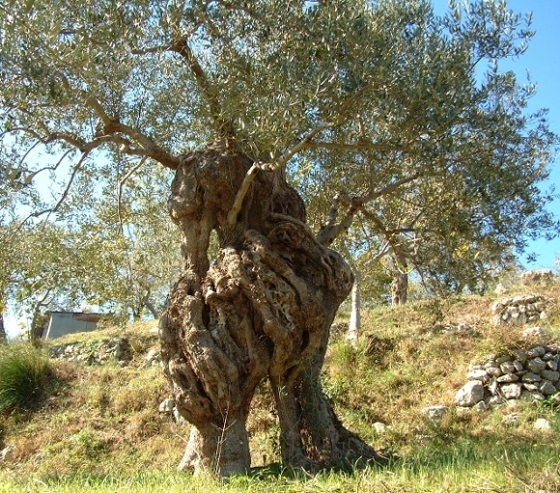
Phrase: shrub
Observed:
(24, 375)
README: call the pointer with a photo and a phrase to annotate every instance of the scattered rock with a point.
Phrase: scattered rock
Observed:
(508, 378)
(519, 310)
(531, 378)
(480, 406)
(121, 350)
(7, 454)
(537, 351)
(494, 400)
(507, 367)
(520, 355)
(166, 406)
(536, 365)
(532, 374)
(435, 413)
(494, 371)
(470, 394)
(535, 333)
(477, 374)
(542, 424)
(547, 388)
(512, 391)
(379, 427)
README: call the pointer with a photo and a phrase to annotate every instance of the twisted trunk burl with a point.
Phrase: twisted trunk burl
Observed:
(261, 310)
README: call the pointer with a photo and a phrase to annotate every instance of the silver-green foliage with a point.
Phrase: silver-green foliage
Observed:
(403, 115)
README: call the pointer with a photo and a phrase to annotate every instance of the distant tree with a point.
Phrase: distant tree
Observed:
(370, 107)
(11, 260)
(126, 242)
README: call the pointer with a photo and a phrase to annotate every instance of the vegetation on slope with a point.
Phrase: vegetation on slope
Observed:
(101, 429)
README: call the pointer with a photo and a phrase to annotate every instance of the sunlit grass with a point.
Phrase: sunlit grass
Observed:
(466, 466)
(102, 431)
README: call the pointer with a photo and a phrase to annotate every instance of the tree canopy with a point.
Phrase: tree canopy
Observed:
(386, 112)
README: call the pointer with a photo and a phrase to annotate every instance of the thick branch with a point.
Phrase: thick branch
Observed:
(330, 231)
(123, 182)
(182, 48)
(281, 161)
(276, 165)
(108, 133)
(390, 235)
(241, 193)
(390, 187)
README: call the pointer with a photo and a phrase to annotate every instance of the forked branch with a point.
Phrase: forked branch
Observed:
(330, 230)
(182, 48)
(276, 165)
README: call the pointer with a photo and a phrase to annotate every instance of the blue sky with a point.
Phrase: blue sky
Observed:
(542, 61)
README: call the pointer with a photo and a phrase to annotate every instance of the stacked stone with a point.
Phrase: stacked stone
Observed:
(539, 277)
(519, 310)
(95, 353)
(533, 375)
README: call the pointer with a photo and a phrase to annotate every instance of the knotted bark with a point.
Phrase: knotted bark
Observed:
(261, 310)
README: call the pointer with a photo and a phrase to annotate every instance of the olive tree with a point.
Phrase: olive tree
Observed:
(351, 101)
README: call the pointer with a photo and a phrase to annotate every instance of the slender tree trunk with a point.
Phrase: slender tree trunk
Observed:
(263, 309)
(36, 331)
(355, 319)
(399, 287)
(151, 307)
(137, 313)
(3, 335)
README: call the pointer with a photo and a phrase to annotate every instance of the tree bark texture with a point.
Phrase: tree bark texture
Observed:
(399, 287)
(3, 335)
(262, 309)
(355, 315)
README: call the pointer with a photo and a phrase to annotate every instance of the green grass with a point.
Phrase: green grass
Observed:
(464, 466)
(101, 431)
(24, 376)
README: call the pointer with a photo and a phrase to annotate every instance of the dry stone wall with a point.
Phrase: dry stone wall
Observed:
(115, 349)
(532, 374)
(519, 310)
(538, 277)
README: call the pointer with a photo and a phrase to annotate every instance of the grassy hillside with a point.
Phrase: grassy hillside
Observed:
(99, 427)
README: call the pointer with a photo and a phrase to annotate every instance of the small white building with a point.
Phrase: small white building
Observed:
(62, 323)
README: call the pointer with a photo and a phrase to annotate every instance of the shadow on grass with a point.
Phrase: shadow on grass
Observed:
(276, 469)
(514, 459)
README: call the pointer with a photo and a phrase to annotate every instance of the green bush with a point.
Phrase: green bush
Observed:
(24, 375)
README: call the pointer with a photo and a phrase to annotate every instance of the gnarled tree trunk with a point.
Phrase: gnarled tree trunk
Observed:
(262, 310)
